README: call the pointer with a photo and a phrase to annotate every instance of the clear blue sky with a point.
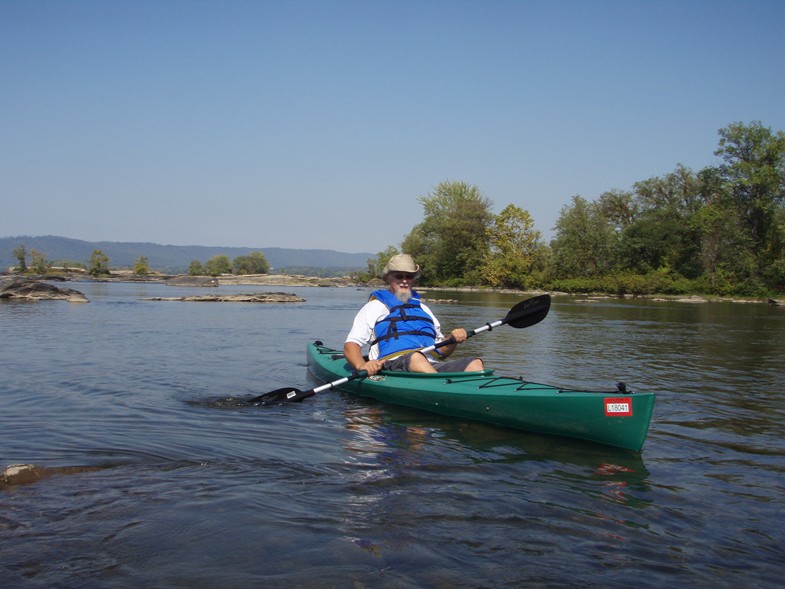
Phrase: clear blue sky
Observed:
(318, 124)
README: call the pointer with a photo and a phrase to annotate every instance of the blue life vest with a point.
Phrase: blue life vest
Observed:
(407, 326)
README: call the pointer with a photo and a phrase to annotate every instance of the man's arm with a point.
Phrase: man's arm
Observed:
(354, 356)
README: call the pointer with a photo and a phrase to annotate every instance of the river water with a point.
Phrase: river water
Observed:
(184, 487)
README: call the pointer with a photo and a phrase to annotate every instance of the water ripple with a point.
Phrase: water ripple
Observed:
(158, 474)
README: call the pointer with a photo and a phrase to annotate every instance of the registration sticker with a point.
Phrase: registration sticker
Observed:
(618, 406)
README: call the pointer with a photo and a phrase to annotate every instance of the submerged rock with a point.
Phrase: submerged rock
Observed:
(24, 474)
(17, 287)
(19, 474)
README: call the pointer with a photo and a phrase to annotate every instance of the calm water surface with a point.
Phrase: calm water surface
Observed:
(187, 488)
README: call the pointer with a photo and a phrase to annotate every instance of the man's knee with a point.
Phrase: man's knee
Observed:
(419, 363)
(475, 365)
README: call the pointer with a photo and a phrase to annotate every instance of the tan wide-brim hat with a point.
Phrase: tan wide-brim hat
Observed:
(400, 263)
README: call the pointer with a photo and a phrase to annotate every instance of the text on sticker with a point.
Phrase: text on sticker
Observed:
(618, 406)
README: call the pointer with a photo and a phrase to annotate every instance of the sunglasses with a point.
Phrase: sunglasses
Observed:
(403, 276)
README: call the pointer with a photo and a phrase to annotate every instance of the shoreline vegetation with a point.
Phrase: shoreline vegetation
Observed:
(298, 280)
(714, 234)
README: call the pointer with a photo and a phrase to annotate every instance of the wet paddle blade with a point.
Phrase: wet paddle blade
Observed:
(292, 395)
(528, 312)
(279, 396)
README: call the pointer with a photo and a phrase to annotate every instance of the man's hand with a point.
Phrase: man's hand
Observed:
(459, 335)
(372, 367)
(353, 354)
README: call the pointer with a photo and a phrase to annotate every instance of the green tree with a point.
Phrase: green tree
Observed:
(752, 178)
(195, 268)
(774, 272)
(218, 265)
(619, 208)
(586, 242)
(377, 264)
(727, 253)
(513, 246)
(142, 266)
(38, 262)
(253, 263)
(98, 264)
(451, 243)
(20, 253)
(382, 258)
(662, 235)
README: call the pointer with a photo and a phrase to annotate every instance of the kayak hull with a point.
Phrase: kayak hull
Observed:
(617, 418)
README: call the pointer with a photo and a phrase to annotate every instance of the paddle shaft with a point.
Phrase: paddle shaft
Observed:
(363, 373)
(339, 382)
(292, 394)
(296, 395)
(524, 314)
(452, 340)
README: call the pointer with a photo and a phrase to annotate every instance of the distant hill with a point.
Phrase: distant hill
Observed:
(174, 259)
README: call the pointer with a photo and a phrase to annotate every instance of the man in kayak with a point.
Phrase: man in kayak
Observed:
(395, 324)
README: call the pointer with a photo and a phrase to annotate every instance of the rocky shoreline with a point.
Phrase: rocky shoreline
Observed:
(35, 288)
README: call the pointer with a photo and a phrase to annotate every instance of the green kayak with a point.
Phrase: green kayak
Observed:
(617, 418)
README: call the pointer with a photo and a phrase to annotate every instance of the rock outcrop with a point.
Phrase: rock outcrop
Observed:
(259, 297)
(181, 280)
(285, 280)
(21, 288)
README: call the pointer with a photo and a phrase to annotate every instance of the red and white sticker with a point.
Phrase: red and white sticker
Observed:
(618, 406)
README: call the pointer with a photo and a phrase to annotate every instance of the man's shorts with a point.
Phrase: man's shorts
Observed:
(401, 364)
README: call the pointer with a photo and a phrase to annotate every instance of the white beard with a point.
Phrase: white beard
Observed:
(404, 296)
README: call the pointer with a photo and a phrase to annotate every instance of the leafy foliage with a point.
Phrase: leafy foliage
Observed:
(142, 266)
(175, 259)
(452, 240)
(38, 262)
(376, 265)
(253, 263)
(218, 265)
(98, 264)
(586, 242)
(718, 231)
(195, 268)
(722, 228)
(20, 253)
(513, 246)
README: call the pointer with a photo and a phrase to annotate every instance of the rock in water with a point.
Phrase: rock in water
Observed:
(19, 474)
(14, 287)
(181, 280)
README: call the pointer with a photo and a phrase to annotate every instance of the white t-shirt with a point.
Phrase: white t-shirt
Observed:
(366, 319)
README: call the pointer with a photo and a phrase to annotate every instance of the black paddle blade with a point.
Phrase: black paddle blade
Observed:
(528, 312)
(278, 396)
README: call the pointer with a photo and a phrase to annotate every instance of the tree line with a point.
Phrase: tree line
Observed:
(253, 263)
(720, 231)
(98, 264)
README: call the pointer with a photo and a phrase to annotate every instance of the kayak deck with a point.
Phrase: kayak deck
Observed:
(618, 418)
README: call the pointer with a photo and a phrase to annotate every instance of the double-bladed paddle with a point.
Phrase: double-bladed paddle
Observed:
(524, 314)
